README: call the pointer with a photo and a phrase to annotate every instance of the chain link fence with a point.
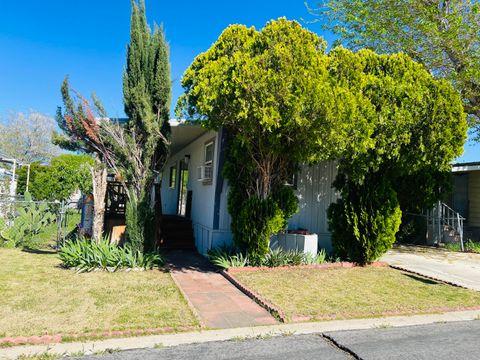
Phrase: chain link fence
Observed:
(37, 224)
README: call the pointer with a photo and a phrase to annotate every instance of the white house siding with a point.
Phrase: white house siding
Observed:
(314, 191)
(203, 195)
(315, 194)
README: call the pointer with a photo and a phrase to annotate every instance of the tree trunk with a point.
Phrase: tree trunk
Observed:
(99, 184)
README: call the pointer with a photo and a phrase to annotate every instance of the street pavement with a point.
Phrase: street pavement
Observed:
(442, 341)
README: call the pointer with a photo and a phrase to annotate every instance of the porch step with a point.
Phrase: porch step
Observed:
(177, 233)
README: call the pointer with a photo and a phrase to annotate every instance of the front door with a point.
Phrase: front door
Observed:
(182, 189)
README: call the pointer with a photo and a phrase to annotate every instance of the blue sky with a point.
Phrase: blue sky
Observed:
(42, 41)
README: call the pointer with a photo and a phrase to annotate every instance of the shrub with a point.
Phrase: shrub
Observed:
(365, 220)
(469, 246)
(59, 180)
(87, 255)
(318, 259)
(228, 257)
(254, 220)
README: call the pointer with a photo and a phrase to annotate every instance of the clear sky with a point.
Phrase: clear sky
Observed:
(42, 41)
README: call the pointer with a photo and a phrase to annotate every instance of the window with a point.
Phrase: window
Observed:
(209, 149)
(173, 177)
(207, 174)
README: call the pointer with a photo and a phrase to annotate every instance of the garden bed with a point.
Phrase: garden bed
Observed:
(332, 265)
(308, 294)
(37, 297)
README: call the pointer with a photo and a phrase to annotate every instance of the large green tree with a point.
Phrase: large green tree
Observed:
(58, 180)
(444, 35)
(147, 97)
(137, 150)
(270, 90)
(284, 101)
(419, 127)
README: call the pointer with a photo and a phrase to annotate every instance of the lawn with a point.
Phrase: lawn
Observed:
(344, 293)
(37, 297)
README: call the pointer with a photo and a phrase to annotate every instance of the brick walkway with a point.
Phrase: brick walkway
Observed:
(218, 303)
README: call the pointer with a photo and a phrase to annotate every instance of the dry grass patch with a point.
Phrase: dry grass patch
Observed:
(345, 293)
(37, 297)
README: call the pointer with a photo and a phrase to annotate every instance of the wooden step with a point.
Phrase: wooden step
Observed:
(177, 233)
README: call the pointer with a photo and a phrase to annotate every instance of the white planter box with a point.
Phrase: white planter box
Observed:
(295, 242)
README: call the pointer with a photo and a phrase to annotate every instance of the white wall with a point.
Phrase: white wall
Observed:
(315, 194)
(314, 191)
(203, 195)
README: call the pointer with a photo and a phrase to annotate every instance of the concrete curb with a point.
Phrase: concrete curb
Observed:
(90, 347)
(401, 268)
(58, 338)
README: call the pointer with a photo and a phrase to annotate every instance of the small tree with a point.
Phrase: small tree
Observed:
(418, 127)
(134, 151)
(80, 122)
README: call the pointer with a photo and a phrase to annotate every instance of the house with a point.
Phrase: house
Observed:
(194, 190)
(465, 196)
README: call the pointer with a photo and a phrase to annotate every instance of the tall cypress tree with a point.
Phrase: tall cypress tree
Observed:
(147, 96)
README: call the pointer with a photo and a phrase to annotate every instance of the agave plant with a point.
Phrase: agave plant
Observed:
(226, 258)
(86, 255)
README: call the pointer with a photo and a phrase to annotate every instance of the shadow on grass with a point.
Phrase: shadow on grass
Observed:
(422, 279)
(38, 251)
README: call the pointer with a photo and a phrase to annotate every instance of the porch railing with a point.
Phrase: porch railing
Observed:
(443, 221)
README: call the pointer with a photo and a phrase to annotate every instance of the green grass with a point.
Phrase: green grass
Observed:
(38, 297)
(469, 246)
(345, 293)
(42, 356)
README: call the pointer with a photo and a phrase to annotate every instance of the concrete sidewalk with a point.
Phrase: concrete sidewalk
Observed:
(462, 269)
(217, 302)
(90, 347)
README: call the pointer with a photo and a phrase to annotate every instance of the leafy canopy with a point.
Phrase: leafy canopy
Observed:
(59, 180)
(271, 88)
(443, 35)
(419, 127)
(284, 101)
(272, 92)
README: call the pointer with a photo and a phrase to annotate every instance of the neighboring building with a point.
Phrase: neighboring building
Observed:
(193, 188)
(465, 197)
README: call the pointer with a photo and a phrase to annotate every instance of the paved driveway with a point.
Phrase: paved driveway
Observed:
(459, 268)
